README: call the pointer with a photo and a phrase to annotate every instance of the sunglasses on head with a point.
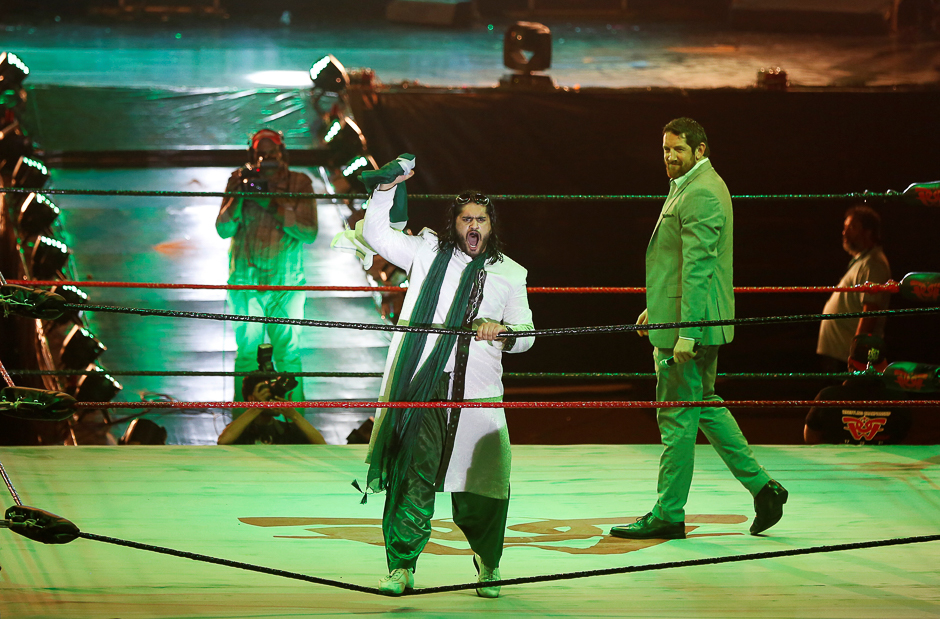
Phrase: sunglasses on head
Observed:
(466, 198)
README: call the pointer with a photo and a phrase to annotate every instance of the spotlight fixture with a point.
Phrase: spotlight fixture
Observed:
(344, 140)
(772, 78)
(329, 75)
(80, 349)
(531, 37)
(73, 296)
(13, 145)
(30, 173)
(346, 178)
(332, 130)
(527, 48)
(12, 71)
(354, 165)
(49, 257)
(36, 214)
(97, 387)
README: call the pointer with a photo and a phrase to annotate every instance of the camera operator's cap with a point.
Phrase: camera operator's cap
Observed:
(267, 134)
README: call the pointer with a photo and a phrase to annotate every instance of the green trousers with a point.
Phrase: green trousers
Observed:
(406, 524)
(695, 381)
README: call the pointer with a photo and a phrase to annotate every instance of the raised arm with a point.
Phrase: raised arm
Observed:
(230, 213)
(396, 247)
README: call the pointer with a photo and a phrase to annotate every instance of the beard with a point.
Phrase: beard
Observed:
(678, 171)
(473, 243)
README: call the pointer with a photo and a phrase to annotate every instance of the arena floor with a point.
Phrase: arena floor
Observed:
(292, 508)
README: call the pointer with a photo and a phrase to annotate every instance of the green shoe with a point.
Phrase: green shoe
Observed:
(768, 506)
(650, 527)
(396, 582)
(486, 574)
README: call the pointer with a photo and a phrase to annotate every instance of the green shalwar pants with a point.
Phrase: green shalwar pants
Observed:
(406, 524)
(695, 381)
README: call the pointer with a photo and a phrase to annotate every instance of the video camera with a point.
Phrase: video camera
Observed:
(253, 175)
(279, 385)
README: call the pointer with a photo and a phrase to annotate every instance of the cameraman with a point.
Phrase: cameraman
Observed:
(259, 426)
(268, 237)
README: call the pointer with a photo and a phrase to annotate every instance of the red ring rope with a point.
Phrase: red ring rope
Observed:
(891, 286)
(592, 404)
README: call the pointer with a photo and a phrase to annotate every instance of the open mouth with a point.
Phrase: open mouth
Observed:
(473, 240)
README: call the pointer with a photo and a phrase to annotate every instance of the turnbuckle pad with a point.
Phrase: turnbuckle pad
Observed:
(922, 287)
(36, 404)
(39, 525)
(912, 377)
(30, 302)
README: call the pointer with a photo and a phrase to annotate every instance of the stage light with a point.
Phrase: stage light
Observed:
(49, 257)
(12, 70)
(356, 164)
(286, 79)
(30, 173)
(531, 37)
(344, 140)
(13, 145)
(80, 349)
(36, 214)
(333, 131)
(97, 387)
(772, 78)
(329, 75)
(74, 296)
(346, 179)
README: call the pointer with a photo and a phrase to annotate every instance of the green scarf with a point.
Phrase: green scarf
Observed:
(393, 449)
(404, 164)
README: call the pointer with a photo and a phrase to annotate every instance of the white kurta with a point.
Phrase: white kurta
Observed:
(481, 459)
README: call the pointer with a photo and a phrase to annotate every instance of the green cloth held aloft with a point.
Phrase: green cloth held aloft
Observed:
(387, 174)
(353, 240)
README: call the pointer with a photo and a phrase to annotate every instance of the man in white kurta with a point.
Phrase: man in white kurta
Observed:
(462, 451)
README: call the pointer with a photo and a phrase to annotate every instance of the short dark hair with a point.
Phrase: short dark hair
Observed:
(690, 131)
(249, 383)
(447, 240)
(868, 218)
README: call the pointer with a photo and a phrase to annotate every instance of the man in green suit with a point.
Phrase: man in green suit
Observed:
(689, 278)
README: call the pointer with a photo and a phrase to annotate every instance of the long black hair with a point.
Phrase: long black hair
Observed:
(447, 240)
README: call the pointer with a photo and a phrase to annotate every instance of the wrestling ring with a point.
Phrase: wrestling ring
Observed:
(830, 556)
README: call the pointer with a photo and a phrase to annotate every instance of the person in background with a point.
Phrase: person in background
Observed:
(268, 237)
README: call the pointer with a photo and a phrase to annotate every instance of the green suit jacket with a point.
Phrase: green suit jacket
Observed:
(689, 261)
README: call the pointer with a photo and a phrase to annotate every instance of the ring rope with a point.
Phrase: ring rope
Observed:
(435, 196)
(534, 333)
(503, 582)
(3, 472)
(688, 563)
(594, 404)
(6, 376)
(523, 580)
(9, 484)
(890, 286)
(511, 375)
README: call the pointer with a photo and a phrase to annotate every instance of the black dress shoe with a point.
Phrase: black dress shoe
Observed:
(768, 506)
(650, 527)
